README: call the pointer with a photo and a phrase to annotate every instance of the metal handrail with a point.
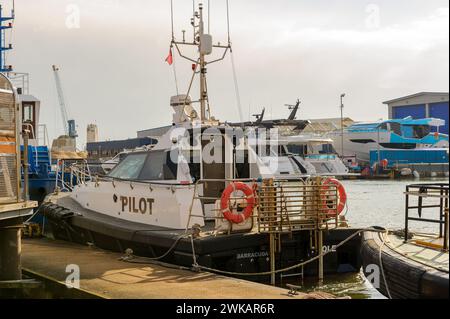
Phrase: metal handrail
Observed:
(306, 209)
(436, 190)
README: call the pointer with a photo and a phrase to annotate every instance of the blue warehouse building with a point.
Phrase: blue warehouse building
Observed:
(421, 105)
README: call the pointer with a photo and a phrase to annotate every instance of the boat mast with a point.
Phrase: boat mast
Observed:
(205, 46)
(203, 91)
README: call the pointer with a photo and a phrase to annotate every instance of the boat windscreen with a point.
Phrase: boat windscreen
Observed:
(420, 131)
(160, 165)
(130, 167)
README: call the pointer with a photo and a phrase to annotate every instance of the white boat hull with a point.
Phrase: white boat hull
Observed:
(158, 205)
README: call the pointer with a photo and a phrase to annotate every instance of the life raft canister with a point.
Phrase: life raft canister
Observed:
(225, 202)
(342, 195)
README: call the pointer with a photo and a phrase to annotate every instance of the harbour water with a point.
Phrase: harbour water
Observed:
(382, 203)
(372, 203)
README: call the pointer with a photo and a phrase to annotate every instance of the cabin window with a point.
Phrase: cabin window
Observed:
(420, 131)
(153, 168)
(160, 165)
(193, 158)
(121, 156)
(171, 166)
(243, 167)
(282, 151)
(28, 112)
(272, 150)
(130, 167)
(301, 150)
(396, 128)
(327, 149)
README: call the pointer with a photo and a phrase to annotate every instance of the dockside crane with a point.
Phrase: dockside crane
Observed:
(69, 125)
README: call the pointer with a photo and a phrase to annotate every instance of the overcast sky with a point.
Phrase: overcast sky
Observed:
(114, 74)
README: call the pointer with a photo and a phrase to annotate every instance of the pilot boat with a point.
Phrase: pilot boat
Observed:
(211, 195)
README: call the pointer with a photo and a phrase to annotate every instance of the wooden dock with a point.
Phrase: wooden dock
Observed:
(103, 275)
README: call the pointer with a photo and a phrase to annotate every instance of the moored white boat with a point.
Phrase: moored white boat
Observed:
(201, 195)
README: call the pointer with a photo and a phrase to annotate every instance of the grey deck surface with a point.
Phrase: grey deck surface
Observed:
(426, 255)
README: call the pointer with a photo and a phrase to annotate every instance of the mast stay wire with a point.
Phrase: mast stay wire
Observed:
(236, 88)
(174, 67)
(233, 66)
(228, 22)
(207, 100)
(193, 15)
(171, 19)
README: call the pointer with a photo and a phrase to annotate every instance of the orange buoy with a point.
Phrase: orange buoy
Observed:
(342, 195)
(225, 202)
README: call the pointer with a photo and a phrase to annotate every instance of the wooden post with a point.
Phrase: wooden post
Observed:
(271, 218)
(10, 243)
(25, 165)
(321, 257)
(318, 185)
(272, 259)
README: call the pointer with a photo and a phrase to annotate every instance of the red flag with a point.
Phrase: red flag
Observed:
(169, 58)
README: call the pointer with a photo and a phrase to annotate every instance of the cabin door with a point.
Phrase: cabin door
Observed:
(213, 165)
(29, 118)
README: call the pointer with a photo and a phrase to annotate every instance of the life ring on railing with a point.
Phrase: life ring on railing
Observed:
(225, 202)
(342, 196)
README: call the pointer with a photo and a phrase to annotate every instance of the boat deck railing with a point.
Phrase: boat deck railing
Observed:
(285, 206)
(282, 206)
(429, 196)
(68, 175)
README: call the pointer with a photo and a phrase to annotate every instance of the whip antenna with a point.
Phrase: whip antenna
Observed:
(233, 66)
(204, 42)
(228, 22)
(236, 88)
(171, 17)
(209, 20)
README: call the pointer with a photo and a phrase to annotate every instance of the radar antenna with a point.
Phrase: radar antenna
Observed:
(205, 45)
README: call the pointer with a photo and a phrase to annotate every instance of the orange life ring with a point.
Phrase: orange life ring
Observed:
(225, 202)
(342, 196)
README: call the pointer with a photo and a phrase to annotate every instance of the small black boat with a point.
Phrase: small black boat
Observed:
(412, 265)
